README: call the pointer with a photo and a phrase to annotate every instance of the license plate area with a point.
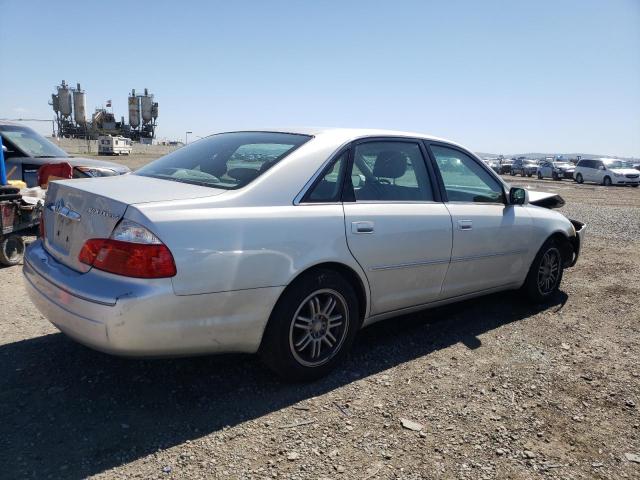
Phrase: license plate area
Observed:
(63, 230)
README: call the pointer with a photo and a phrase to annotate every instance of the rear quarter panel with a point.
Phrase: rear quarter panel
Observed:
(221, 249)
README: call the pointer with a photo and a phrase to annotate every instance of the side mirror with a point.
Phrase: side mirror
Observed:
(602, 167)
(4, 149)
(518, 196)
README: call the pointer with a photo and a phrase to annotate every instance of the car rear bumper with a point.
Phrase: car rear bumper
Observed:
(145, 318)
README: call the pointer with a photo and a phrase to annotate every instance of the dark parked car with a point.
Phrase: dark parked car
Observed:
(522, 167)
(25, 151)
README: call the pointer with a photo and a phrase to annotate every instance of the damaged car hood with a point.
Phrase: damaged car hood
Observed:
(545, 199)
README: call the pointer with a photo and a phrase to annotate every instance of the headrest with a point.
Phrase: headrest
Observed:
(390, 164)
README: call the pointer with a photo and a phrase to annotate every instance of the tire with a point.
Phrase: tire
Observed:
(543, 280)
(555, 176)
(635, 185)
(579, 178)
(606, 181)
(11, 250)
(539, 176)
(513, 174)
(529, 175)
(300, 326)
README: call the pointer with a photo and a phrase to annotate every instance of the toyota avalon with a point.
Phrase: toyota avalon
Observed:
(286, 243)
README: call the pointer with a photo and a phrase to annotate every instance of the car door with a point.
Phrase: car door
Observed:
(544, 169)
(396, 225)
(490, 237)
(598, 171)
(589, 171)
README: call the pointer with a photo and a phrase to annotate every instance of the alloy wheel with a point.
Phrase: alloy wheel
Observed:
(319, 327)
(549, 271)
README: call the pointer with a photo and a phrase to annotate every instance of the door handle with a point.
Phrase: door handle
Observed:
(465, 224)
(362, 227)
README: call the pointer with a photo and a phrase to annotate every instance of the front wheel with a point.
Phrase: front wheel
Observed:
(579, 178)
(312, 327)
(606, 181)
(545, 273)
(539, 176)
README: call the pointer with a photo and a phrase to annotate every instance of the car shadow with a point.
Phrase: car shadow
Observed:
(67, 411)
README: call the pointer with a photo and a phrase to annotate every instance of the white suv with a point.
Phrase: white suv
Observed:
(606, 171)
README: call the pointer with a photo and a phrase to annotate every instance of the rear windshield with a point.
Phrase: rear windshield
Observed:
(226, 160)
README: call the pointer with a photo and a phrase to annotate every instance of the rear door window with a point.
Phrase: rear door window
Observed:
(329, 187)
(386, 171)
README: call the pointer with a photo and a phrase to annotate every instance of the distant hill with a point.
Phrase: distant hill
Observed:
(542, 155)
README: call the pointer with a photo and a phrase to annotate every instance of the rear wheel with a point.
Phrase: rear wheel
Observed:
(545, 274)
(312, 327)
(11, 250)
(606, 181)
(579, 178)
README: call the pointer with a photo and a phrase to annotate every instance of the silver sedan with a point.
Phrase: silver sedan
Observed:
(287, 243)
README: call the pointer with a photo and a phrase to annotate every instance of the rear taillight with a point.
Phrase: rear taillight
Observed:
(132, 251)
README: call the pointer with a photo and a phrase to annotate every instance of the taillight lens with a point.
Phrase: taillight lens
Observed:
(132, 251)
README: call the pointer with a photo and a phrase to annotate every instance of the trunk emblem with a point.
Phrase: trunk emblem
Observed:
(60, 209)
(104, 213)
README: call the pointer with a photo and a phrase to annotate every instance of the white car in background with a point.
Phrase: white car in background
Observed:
(607, 171)
(287, 243)
(555, 170)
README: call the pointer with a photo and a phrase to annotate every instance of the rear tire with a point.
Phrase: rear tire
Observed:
(11, 250)
(545, 273)
(579, 178)
(312, 327)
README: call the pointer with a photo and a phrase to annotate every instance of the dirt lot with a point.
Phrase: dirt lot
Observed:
(499, 388)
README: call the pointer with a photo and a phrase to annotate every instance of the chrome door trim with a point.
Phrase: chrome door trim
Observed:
(488, 255)
(408, 265)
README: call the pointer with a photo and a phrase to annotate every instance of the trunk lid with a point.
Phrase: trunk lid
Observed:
(80, 209)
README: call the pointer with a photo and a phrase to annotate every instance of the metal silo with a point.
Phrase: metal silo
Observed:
(79, 106)
(64, 100)
(146, 105)
(134, 110)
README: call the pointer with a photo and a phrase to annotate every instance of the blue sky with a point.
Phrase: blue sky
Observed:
(497, 76)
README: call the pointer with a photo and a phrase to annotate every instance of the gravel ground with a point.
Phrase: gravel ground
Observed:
(489, 388)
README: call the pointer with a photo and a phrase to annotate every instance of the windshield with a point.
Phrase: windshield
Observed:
(617, 164)
(30, 142)
(226, 160)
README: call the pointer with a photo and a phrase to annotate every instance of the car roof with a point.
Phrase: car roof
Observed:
(347, 133)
